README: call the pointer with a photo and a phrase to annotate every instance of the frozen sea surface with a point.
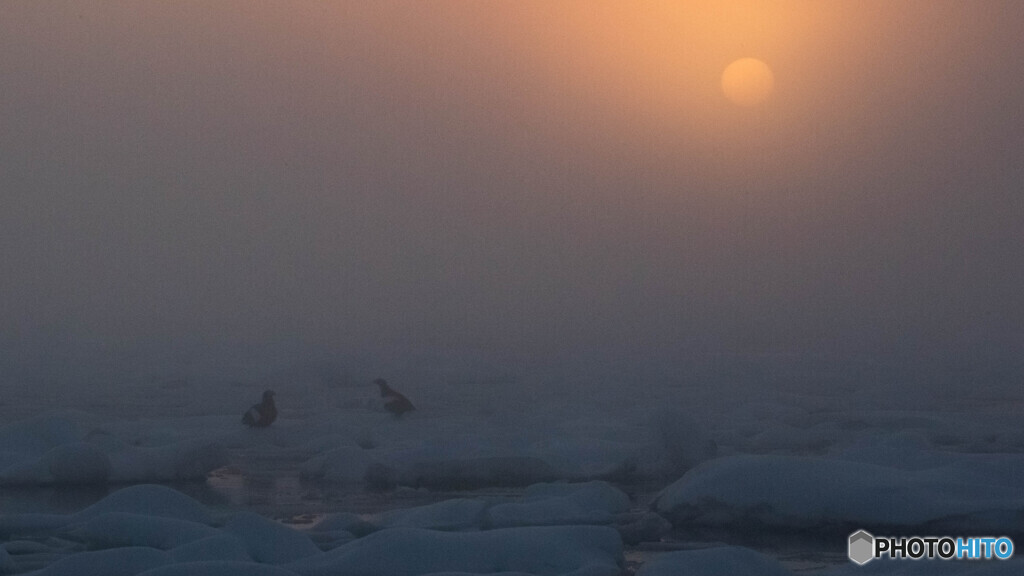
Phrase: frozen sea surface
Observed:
(161, 478)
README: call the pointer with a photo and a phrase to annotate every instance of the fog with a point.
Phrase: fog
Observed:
(223, 190)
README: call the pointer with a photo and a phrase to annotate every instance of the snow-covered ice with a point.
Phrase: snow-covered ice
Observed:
(150, 500)
(117, 529)
(57, 450)
(268, 541)
(562, 504)
(558, 550)
(539, 486)
(124, 561)
(458, 514)
(713, 562)
(218, 568)
(220, 547)
(977, 493)
(142, 528)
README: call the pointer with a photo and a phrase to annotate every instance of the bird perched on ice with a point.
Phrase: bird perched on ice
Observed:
(394, 401)
(263, 414)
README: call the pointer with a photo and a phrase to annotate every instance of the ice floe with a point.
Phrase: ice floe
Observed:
(148, 529)
(268, 541)
(55, 450)
(976, 492)
(562, 504)
(557, 550)
(717, 561)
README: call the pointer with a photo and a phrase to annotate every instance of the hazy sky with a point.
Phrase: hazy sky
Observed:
(194, 182)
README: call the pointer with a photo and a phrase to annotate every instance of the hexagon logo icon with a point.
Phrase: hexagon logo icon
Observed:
(861, 549)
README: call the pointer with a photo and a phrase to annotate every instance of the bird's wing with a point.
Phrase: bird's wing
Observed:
(252, 416)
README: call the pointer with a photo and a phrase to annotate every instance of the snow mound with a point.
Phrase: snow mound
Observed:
(269, 542)
(713, 562)
(594, 502)
(453, 515)
(477, 574)
(329, 540)
(642, 527)
(150, 500)
(118, 529)
(115, 562)
(347, 522)
(6, 563)
(188, 460)
(218, 569)
(39, 435)
(812, 493)
(30, 524)
(221, 547)
(542, 551)
(72, 463)
(54, 450)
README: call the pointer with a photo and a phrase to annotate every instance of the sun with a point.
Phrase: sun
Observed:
(748, 81)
